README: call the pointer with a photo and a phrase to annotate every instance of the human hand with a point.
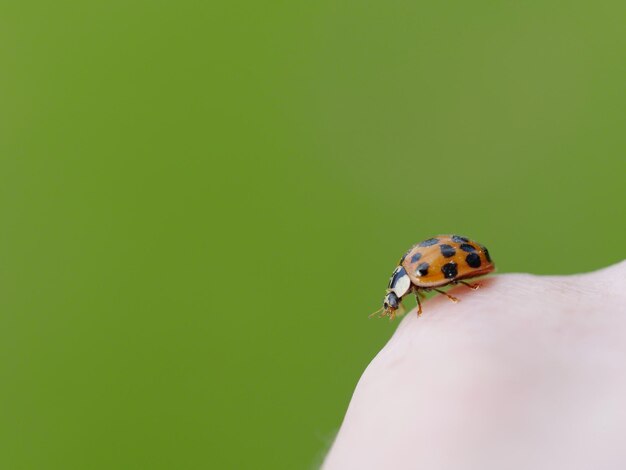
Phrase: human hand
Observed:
(526, 372)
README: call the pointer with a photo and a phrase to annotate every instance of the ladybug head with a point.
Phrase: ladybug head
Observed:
(390, 303)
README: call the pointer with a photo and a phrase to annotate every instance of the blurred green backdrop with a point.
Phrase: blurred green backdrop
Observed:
(201, 203)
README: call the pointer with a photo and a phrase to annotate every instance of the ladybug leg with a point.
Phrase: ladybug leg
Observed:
(471, 286)
(453, 299)
(419, 304)
(392, 315)
(417, 291)
(401, 310)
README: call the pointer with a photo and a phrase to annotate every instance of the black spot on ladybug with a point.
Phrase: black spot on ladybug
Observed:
(467, 247)
(459, 239)
(449, 270)
(416, 257)
(486, 253)
(429, 242)
(447, 250)
(473, 260)
(422, 269)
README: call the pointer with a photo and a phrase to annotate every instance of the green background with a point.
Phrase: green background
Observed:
(201, 203)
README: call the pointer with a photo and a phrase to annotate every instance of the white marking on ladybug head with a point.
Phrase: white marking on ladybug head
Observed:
(390, 302)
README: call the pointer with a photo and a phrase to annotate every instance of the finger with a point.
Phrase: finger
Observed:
(508, 371)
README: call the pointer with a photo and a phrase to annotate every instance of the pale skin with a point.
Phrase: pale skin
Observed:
(527, 372)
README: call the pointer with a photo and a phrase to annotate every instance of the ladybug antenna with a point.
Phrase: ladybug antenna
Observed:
(377, 311)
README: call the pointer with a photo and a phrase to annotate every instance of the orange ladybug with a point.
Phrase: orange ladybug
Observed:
(433, 263)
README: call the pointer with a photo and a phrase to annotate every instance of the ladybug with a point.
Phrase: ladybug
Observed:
(433, 263)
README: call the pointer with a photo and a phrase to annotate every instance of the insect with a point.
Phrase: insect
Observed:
(433, 263)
